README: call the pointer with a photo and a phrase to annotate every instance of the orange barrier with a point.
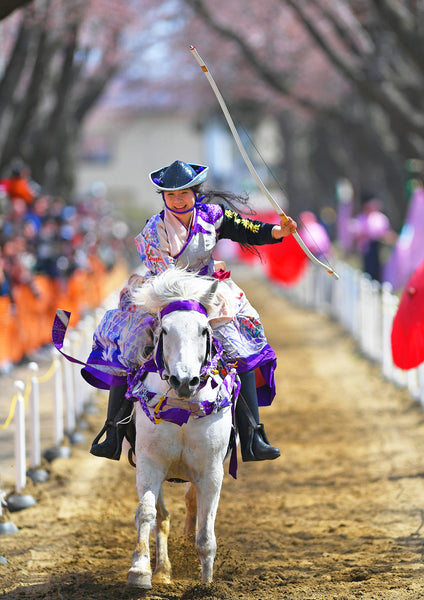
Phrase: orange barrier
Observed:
(27, 325)
(10, 345)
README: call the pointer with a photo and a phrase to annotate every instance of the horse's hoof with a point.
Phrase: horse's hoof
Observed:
(139, 580)
(162, 579)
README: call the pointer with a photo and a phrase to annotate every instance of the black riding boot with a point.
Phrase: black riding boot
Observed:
(118, 408)
(253, 441)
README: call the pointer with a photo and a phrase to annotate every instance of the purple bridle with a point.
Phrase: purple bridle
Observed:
(183, 305)
(170, 308)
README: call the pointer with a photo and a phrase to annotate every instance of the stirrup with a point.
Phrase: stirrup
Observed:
(103, 430)
(112, 445)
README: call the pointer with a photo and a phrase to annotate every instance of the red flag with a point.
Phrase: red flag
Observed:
(407, 335)
(285, 262)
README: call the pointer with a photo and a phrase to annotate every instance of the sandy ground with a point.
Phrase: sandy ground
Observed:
(339, 516)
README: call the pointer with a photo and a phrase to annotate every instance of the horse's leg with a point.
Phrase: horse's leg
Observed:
(162, 572)
(191, 511)
(208, 492)
(148, 486)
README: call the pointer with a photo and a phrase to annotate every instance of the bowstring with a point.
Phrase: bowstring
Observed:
(280, 186)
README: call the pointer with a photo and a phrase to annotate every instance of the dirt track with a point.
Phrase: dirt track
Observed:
(339, 516)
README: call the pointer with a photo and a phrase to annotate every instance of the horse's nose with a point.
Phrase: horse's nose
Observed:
(186, 386)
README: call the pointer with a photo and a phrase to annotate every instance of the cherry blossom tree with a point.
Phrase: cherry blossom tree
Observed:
(354, 67)
(60, 57)
(8, 6)
(342, 79)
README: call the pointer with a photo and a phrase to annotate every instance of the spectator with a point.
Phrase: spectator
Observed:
(370, 229)
(48, 237)
(14, 219)
(18, 185)
(5, 287)
(39, 211)
(19, 263)
(314, 235)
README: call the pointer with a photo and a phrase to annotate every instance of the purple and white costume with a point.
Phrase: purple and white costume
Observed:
(124, 338)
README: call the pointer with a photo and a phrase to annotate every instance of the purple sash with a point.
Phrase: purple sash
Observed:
(91, 374)
(179, 416)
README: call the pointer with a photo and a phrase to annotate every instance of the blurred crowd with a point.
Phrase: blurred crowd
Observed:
(42, 235)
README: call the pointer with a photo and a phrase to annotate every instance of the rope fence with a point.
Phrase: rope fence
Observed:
(363, 307)
(26, 403)
(71, 395)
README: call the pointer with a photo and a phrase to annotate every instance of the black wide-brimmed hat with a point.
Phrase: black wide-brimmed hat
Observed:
(178, 176)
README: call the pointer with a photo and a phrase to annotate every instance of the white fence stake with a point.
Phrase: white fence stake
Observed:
(58, 432)
(35, 455)
(69, 395)
(75, 338)
(58, 450)
(420, 373)
(389, 303)
(16, 501)
(72, 408)
(20, 448)
(412, 383)
(376, 338)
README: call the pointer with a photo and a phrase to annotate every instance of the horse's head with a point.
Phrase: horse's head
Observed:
(184, 336)
(185, 345)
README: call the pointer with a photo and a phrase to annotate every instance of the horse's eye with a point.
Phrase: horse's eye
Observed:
(164, 332)
(205, 332)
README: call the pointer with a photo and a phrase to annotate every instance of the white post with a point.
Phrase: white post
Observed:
(420, 372)
(412, 383)
(75, 338)
(85, 329)
(376, 322)
(69, 395)
(58, 433)
(364, 314)
(35, 455)
(387, 301)
(20, 449)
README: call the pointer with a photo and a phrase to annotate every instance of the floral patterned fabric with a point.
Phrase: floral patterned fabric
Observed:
(124, 338)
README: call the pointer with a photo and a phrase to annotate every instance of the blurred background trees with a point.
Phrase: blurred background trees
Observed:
(351, 73)
(8, 6)
(342, 81)
(58, 58)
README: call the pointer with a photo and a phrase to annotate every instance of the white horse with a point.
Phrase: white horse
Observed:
(188, 380)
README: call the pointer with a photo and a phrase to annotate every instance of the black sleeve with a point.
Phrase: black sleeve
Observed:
(245, 231)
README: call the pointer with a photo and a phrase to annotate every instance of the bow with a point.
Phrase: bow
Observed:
(250, 166)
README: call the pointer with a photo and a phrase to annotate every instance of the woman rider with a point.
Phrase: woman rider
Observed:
(184, 234)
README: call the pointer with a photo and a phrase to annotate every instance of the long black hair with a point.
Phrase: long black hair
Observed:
(236, 202)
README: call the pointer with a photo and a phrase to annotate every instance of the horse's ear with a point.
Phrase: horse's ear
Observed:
(214, 287)
(209, 295)
(212, 291)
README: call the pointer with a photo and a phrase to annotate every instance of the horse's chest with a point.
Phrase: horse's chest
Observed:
(187, 450)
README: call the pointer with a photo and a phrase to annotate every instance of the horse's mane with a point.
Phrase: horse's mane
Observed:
(171, 285)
